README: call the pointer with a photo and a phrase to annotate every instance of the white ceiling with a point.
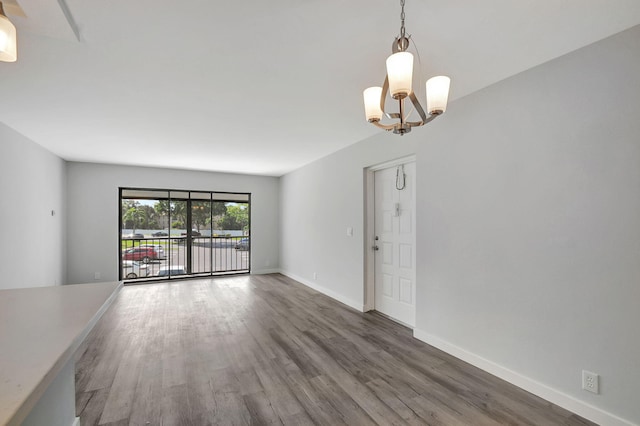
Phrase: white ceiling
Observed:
(259, 87)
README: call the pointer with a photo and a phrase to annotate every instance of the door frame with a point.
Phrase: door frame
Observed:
(369, 225)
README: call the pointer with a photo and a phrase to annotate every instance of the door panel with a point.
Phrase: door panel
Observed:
(395, 274)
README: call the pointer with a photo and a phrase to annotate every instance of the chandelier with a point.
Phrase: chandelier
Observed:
(398, 82)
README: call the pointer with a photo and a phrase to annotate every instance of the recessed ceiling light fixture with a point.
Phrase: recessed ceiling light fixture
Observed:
(8, 49)
(398, 82)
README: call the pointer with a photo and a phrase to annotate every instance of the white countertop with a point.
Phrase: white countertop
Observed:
(40, 330)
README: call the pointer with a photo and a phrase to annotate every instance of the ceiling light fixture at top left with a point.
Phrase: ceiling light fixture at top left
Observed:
(8, 47)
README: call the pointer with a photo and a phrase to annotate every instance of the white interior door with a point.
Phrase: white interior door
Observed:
(395, 223)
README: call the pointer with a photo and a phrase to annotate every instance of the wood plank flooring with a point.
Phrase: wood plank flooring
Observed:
(265, 349)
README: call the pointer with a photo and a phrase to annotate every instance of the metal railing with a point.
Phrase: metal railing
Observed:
(181, 256)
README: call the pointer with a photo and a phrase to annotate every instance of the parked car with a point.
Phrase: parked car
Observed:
(160, 253)
(242, 244)
(132, 269)
(174, 270)
(145, 254)
(160, 234)
(133, 237)
(194, 233)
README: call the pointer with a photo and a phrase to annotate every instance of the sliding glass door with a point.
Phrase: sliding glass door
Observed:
(168, 234)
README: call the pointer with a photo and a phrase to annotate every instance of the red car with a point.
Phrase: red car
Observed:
(144, 254)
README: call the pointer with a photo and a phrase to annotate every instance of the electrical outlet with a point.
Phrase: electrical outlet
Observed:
(590, 381)
(97, 275)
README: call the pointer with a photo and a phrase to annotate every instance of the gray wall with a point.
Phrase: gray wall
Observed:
(32, 184)
(529, 212)
(528, 226)
(93, 200)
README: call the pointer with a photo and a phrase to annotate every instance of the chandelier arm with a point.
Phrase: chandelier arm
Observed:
(387, 127)
(432, 117)
(422, 123)
(425, 119)
(383, 97)
(419, 109)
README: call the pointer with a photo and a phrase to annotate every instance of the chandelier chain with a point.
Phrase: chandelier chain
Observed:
(402, 19)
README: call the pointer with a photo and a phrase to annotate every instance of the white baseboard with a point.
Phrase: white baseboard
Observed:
(543, 391)
(358, 306)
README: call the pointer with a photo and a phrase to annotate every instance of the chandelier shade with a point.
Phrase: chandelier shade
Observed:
(400, 72)
(8, 48)
(398, 83)
(372, 103)
(437, 94)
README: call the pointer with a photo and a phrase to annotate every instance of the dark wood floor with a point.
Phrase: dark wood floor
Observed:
(268, 350)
